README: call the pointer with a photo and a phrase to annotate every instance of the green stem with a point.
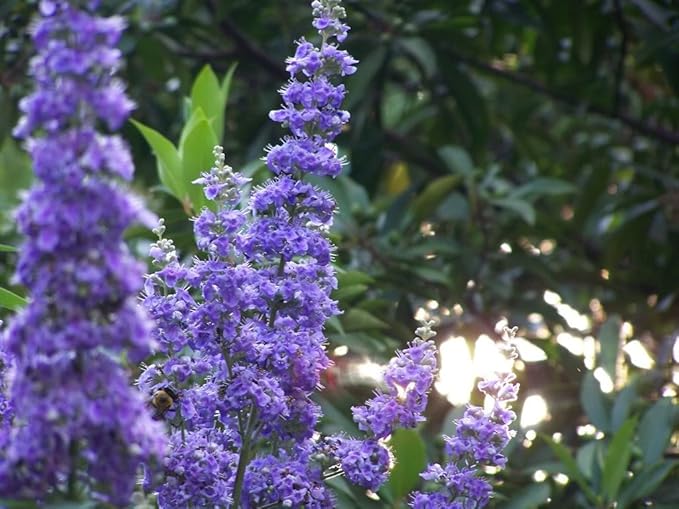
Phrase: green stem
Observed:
(243, 459)
(72, 482)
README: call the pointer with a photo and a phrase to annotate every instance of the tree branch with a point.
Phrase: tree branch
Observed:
(620, 70)
(652, 131)
(250, 49)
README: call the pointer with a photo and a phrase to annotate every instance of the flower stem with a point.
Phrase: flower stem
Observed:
(243, 459)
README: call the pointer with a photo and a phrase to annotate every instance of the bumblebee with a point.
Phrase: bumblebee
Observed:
(162, 400)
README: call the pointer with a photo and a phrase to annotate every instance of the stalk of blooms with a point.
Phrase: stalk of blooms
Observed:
(76, 420)
(480, 437)
(242, 328)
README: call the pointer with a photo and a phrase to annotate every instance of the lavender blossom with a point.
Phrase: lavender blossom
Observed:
(479, 440)
(76, 420)
(408, 379)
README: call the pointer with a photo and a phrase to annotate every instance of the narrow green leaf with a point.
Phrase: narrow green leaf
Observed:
(609, 339)
(433, 195)
(542, 186)
(432, 274)
(206, 94)
(197, 115)
(334, 323)
(655, 430)
(594, 403)
(360, 82)
(470, 103)
(17, 504)
(5, 248)
(359, 320)
(353, 277)
(409, 453)
(420, 50)
(645, 483)
(196, 156)
(87, 504)
(530, 497)
(225, 89)
(457, 160)
(617, 459)
(623, 405)
(11, 300)
(586, 458)
(524, 209)
(571, 467)
(349, 292)
(167, 157)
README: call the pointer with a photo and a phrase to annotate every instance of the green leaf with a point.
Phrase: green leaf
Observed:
(655, 430)
(617, 459)
(196, 155)
(543, 186)
(362, 343)
(167, 157)
(594, 403)
(609, 338)
(457, 160)
(87, 504)
(353, 277)
(207, 95)
(530, 497)
(11, 300)
(409, 453)
(17, 504)
(419, 49)
(359, 320)
(334, 323)
(349, 292)
(571, 467)
(520, 207)
(623, 405)
(586, 458)
(361, 82)
(5, 248)
(225, 90)
(432, 274)
(470, 103)
(197, 115)
(428, 200)
(645, 482)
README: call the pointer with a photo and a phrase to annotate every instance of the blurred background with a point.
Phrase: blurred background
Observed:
(509, 163)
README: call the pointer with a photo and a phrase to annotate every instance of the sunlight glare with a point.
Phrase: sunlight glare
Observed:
(456, 378)
(573, 317)
(488, 360)
(528, 351)
(638, 355)
(534, 411)
(604, 380)
(574, 344)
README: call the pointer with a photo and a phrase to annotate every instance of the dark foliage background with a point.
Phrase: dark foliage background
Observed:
(498, 149)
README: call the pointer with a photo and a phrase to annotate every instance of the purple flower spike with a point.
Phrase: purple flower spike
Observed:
(479, 440)
(74, 411)
(241, 327)
(408, 379)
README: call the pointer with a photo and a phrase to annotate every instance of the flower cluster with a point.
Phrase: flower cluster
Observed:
(241, 328)
(69, 392)
(408, 378)
(480, 437)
